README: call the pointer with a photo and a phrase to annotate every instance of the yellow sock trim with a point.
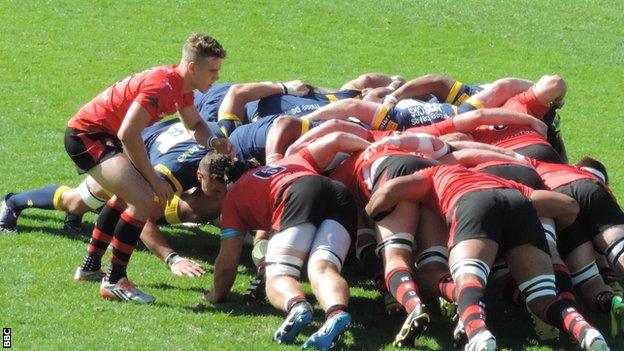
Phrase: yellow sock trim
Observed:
(453, 92)
(474, 102)
(171, 211)
(228, 116)
(224, 131)
(305, 125)
(57, 196)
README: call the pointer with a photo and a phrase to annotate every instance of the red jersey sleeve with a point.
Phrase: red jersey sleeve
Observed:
(230, 218)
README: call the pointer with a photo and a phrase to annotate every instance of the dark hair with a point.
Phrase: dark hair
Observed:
(199, 46)
(590, 162)
(224, 168)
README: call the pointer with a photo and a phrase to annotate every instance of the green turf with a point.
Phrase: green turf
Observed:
(56, 55)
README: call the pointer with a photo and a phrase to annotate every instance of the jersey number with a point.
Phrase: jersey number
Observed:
(268, 172)
(172, 136)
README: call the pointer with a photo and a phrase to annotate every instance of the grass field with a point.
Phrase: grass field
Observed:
(56, 55)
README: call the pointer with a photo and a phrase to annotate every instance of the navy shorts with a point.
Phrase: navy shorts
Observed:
(89, 149)
(502, 215)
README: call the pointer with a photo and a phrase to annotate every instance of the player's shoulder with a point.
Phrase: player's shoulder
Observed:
(163, 77)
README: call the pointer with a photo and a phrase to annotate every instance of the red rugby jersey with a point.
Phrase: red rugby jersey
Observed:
(251, 203)
(557, 174)
(158, 90)
(451, 182)
(511, 136)
(354, 171)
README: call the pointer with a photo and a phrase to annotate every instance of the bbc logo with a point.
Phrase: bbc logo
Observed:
(6, 338)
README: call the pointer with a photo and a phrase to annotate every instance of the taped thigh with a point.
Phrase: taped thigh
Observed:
(88, 197)
(331, 243)
(284, 248)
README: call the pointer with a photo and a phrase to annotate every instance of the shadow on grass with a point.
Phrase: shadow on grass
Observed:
(189, 242)
(236, 306)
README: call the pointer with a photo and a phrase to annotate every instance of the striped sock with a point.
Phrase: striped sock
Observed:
(446, 287)
(127, 233)
(101, 236)
(563, 282)
(401, 285)
(470, 307)
(562, 314)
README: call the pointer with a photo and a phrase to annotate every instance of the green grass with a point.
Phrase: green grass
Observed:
(56, 55)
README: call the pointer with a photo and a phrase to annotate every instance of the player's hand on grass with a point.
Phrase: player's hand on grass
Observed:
(212, 298)
(162, 189)
(184, 267)
(295, 87)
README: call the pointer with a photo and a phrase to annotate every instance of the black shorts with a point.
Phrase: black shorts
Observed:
(522, 174)
(540, 152)
(89, 149)
(598, 212)
(399, 165)
(502, 215)
(313, 199)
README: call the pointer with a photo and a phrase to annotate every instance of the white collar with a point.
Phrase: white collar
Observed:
(595, 172)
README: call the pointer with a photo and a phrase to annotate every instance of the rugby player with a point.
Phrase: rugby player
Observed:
(483, 213)
(103, 140)
(308, 213)
(413, 113)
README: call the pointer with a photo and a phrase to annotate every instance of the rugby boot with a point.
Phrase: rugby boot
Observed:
(330, 332)
(124, 290)
(82, 275)
(414, 325)
(298, 317)
(459, 335)
(616, 315)
(543, 330)
(594, 341)
(255, 291)
(8, 216)
(482, 341)
(73, 224)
